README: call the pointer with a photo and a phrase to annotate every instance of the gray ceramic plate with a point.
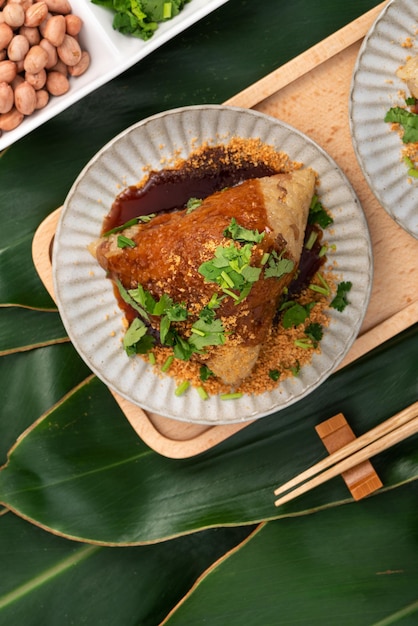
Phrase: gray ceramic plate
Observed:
(85, 297)
(375, 88)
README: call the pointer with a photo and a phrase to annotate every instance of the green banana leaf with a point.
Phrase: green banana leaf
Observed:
(30, 383)
(82, 472)
(51, 581)
(354, 565)
(24, 329)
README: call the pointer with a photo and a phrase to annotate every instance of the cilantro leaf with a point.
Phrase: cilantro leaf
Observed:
(143, 298)
(230, 269)
(314, 332)
(317, 214)
(204, 334)
(277, 266)
(274, 374)
(340, 301)
(136, 339)
(192, 205)
(239, 233)
(408, 121)
(296, 313)
(205, 373)
(126, 297)
(140, 18)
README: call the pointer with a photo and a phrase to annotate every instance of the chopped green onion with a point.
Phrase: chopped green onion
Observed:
(231, 396)
(151, 358)
(323, 251)
(325, 289)
(166, 366)
(202, 393)
(182, 388)
(306, 344)
(231, 293)
(199, 332)
(412, 170)
(227, 279)
(167, 10)
(311, 240)
(265, 258)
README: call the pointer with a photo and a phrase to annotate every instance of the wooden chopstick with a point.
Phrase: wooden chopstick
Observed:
(394, 430)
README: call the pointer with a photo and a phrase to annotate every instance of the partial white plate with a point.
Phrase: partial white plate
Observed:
(85, 297)
(111, 54)
(375, 88)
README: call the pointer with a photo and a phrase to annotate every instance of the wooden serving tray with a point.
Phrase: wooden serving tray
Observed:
(311, 93)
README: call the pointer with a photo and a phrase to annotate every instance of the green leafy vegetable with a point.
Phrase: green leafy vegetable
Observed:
(129, 299)
(140, 18)
(193, 204)
(230, 269)
(205, 373)
(274, 375)
(295, 313)
(182, 388)
(406, 119)
(277, 266)
(314, 332)
(317, 214)
(340, 301)
(323, 288)
(239, 233)
(136, 340)
(125, 242)
(207, 334)
(133, 222)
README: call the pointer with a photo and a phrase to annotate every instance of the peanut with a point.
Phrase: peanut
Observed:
(25, 98)
(18, 48)
(6, 35)
(60, 67)
(11, 120)
(37, 80)
(8, 71)
(51, 52)
(6, 97)
(36, 14)
(14, 14)
(73, 24)
(35, 60)
(59, 6)
(69, 51)
(42, 98)
(57, 84)
(39, 52)
(79, 68)
(55, 30)
(31, 33)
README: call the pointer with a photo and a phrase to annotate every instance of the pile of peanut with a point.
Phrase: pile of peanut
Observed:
(39, 52)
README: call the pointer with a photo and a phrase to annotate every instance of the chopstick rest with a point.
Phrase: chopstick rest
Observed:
(361, 479)
(350, 455)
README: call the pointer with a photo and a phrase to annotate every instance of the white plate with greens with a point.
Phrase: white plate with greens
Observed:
(375, 89)
(85, 296)
(111, 54)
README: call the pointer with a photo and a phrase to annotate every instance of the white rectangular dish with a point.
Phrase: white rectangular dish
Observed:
(111, 54)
